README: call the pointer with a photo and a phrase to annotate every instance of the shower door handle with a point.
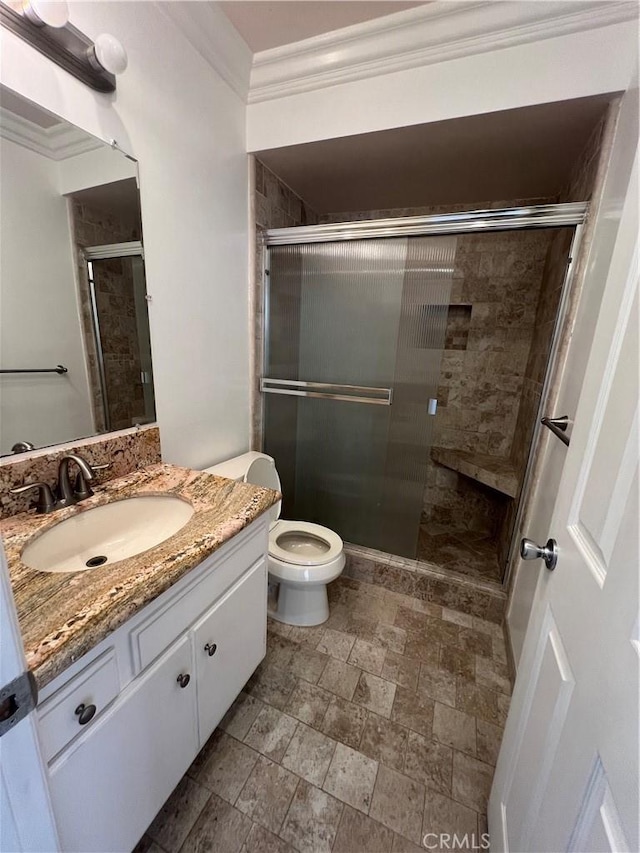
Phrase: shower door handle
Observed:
(432, 406)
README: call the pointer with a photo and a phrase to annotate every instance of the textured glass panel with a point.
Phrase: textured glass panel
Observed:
(365, 313)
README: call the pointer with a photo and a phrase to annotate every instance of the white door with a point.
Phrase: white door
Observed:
(567, 775)
(26, 818)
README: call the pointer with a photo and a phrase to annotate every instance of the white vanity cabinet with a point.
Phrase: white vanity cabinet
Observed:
(160, 684)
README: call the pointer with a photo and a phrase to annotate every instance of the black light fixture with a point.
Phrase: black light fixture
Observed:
(44, 24)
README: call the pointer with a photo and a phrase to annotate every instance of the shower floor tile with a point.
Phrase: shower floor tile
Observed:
(331, 769)
(460, 551)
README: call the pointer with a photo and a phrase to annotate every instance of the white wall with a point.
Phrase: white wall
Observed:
(555, 69)
(94, 168)
(187, 129)
(38, 307)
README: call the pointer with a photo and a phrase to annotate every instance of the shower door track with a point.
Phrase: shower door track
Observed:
(505, 219)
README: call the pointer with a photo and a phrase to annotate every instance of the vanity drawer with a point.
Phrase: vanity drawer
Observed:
(98, 684)
(174, 617)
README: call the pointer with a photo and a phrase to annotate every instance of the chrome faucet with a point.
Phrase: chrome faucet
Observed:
(65, 492)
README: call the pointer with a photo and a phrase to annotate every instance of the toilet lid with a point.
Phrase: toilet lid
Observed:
(262, 472)
(302, 543)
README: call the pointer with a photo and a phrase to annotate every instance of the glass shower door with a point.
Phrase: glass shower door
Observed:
(354, 336)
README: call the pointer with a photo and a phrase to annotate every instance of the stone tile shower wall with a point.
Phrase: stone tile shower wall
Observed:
(275, 206)
(92, 227)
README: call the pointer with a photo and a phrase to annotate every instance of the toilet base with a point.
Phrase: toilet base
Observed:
(300, 605)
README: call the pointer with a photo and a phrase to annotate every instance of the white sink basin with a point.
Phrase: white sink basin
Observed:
(107, 533)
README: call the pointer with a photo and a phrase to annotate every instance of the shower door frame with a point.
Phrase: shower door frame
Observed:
(567, 215)
(109, 251)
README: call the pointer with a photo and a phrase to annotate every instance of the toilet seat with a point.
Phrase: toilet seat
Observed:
(301, 543)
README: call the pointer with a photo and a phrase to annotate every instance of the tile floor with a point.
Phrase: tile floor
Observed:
(357, 736)
(473, 555)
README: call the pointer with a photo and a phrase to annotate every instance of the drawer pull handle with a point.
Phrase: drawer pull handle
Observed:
(85, 713)
(211, 649)
(183, 680)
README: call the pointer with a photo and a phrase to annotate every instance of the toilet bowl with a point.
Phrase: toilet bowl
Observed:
(303, 557)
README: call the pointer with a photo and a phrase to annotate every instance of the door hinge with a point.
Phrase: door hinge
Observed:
(17, 699)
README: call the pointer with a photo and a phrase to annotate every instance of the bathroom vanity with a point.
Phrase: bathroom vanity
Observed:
(133, 685)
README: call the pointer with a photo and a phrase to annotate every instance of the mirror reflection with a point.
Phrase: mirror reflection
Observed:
(75, 352)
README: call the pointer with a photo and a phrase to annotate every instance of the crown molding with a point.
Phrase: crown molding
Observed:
(215, 38)
(57, 143)
(435, 32)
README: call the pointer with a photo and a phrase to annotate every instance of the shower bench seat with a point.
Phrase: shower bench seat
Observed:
(497, 473)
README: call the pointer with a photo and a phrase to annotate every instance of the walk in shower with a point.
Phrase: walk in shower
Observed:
(404, 364)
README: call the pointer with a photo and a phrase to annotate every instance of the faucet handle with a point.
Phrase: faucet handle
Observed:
(82, 489)
(45, 502)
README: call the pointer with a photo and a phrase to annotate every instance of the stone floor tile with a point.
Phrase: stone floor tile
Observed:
(227, 768)
(390, 637)
(423, 649)
(503, 708)
(176, 818)
(307, 636)
(267, 794)
(375, 694)
(241, 715)
(384, 741)
(437, 684)
(344, 721)
(271, 685)
(486, 627)
(220, 827)
(429, 762)
(401, 670)
(351, 777)
(368, 656)
(340, 678)
(271, 732)
(427, 607)
(479, 701)
(309, 754)
(458, 662)
(309, 664)
(403, 845)
(312, 821)
(280, 628)
(489, 738)
(475, 641)
(357, 833)
(413, 710)
(337, 644)
(500, 650)
(398, 803)
(454, 728)
(308, 703)
(457, 617)
(471, 781)
(260, 840)
(280, 651)
(493, 673)
(411, 620)
(444, 817)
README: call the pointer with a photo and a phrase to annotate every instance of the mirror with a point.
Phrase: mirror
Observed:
(75, 351)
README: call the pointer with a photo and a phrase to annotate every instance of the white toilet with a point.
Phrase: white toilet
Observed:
(303, 557)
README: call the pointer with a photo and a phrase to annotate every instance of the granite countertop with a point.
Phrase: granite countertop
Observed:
(63, 615)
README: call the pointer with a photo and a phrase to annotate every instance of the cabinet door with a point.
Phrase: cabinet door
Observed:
(230, 641)
(108, 786)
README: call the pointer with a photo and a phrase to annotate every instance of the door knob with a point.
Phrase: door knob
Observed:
(530, 551)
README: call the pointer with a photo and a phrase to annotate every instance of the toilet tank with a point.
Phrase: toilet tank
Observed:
(236, 468)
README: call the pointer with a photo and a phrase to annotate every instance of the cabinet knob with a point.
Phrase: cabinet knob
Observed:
(211, 649)
(85, 713)
(183, 680)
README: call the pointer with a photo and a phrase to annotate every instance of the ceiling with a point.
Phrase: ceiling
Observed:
(27, 109)
(264, 25)
(514, 154)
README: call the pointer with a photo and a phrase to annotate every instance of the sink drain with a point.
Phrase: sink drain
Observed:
(95, 561)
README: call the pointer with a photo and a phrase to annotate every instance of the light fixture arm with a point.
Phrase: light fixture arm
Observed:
(66, 46)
